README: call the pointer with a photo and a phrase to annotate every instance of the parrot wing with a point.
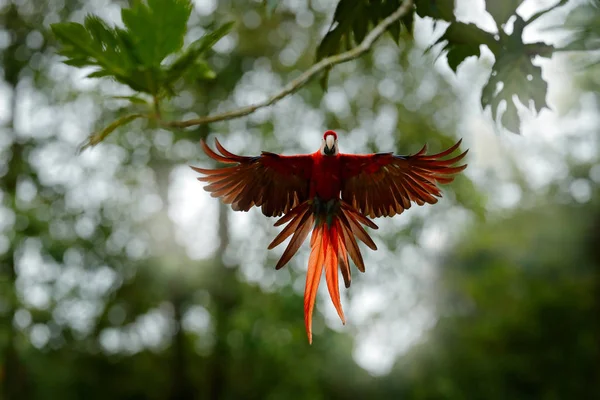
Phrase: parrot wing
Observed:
(385, 184)
(273, 182)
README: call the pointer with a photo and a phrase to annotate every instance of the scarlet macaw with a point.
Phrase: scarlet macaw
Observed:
(332, 193)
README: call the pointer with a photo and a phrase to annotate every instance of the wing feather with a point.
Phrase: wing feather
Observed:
(384, 184)
(273, 182)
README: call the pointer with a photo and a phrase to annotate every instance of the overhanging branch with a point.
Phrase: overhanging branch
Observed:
(306, 76)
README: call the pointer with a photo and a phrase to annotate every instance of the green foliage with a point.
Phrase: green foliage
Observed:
(189, 62)
(96, 44)
(353, 19)
(436, 9)
(501, 11)
(583, 42)
(518, 76)
(157, 29)
(531, 333)
(462, 41)
(517, 304)
(135, 56)
(513, 72)
(584, 24)
(154, 32)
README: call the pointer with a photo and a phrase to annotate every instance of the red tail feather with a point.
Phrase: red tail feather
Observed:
(330, 245)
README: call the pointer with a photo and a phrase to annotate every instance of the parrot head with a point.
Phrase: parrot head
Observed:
(329, 147)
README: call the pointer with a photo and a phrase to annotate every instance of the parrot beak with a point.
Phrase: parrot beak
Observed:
(329, 145)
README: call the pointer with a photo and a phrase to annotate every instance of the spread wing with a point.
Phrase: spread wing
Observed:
(273, 182)
(385, 184)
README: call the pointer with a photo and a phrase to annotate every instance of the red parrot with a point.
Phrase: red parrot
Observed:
(333, 194)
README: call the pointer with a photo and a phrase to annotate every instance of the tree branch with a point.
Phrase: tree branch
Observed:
(96, 138)
(305, 77)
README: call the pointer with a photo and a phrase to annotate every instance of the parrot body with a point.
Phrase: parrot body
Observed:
(325, 189)
(332, 194)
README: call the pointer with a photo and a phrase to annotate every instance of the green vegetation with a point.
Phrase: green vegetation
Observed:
(120, 278)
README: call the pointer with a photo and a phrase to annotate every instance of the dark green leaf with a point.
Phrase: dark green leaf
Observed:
(330, 44)
(436, 9)
(344, 11)
(502, 10)
(95, 44)
(510, 118)
(517, 75)
(344, 17)
(374, 10)
(114, 43)
(156, 29)
(489, 95)
(132, 56)
(351, 22)
(409, 22)
(463, 40)
(395, 29)
(98, 74)
(77, 62)
(188, 59)
(360, 26)
(514, 74)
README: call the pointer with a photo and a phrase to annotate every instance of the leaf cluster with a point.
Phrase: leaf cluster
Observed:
(583, 24)
(146, 54)
(513, 76)
(513, 73)
(437, 9)
(353, 19)
(136, 54)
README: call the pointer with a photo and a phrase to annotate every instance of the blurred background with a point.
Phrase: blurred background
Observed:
(121, 278)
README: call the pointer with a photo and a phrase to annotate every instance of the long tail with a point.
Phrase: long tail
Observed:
(333, 239)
